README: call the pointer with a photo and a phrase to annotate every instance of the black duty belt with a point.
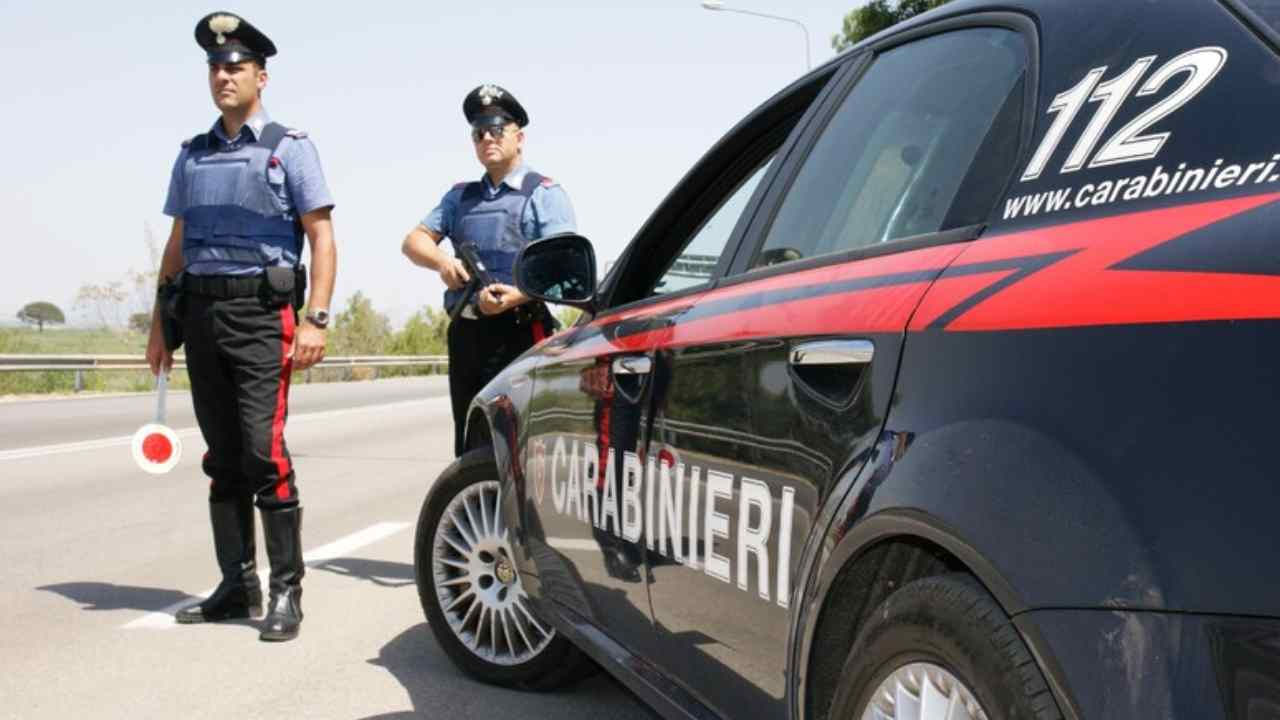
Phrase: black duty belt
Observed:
(223, 287)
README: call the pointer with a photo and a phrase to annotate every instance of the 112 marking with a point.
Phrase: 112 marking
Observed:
(1128, 144)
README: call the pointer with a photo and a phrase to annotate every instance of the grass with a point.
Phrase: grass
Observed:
(29, 341)
(23, 341)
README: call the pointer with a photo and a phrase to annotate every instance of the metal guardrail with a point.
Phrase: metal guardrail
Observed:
(79, 364)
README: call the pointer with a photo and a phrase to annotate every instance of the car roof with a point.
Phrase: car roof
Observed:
(1040, 9)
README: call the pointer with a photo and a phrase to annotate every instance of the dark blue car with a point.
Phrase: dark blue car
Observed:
(945, 386)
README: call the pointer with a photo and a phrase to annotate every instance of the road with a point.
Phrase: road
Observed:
(96, 557)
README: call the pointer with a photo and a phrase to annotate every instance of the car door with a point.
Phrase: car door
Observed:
(589, 510)
(783, 374)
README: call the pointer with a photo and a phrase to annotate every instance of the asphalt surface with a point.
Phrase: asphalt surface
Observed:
(97, 555)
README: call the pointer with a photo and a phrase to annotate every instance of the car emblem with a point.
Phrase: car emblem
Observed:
(506, 574)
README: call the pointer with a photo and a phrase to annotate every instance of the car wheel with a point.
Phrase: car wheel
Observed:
(472, 594)
(940, 648)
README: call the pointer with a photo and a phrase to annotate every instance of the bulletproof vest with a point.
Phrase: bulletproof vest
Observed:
(235, 224)
(492, 226)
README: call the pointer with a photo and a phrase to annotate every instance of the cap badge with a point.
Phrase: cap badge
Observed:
(489, 93)
(223, 25)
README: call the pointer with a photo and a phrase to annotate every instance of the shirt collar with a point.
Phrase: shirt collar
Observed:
(513, 179)
(254, 125)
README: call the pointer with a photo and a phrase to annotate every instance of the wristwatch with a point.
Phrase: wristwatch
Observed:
(319, 318)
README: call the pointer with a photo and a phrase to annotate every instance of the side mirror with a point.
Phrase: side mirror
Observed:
(559, 269)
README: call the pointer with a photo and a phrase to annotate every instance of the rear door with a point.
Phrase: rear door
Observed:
(777, 384)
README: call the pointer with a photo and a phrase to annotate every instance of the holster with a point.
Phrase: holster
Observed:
(171, 302)
(285, 286)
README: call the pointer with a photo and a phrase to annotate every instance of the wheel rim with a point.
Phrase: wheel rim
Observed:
(922, 691)
(479, 589)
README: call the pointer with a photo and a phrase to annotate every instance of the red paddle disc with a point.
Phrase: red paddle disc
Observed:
(156, 448)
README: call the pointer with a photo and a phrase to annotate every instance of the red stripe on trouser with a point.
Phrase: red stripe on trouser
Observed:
(282, 404)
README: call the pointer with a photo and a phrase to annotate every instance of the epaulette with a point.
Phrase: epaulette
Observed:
(460, 185)
(548, 182)
(188, 141)
(296, 134)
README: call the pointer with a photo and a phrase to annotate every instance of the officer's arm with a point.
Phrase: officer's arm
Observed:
(158, 357)
(170, 264)
(309, 343)
(318, 226)
(422, 247)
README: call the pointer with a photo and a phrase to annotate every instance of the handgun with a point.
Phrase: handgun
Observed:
(480, 279)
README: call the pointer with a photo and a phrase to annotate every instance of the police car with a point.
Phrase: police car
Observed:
(946, 385)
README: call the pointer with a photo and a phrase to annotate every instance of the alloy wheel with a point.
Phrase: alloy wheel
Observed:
(477, 583)
(922, 691)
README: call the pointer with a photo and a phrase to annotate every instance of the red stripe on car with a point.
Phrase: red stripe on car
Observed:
(1086, 289)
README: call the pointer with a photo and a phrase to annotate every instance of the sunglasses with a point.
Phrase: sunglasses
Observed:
(494, 131)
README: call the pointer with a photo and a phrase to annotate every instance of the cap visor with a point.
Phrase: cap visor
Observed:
(233, 56)
(490, 119)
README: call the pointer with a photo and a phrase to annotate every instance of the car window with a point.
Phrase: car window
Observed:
(895, 159)
(1267, 10)
(697, 259)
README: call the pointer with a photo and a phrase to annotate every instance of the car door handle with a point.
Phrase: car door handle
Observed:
(634, 365)
(833, 352)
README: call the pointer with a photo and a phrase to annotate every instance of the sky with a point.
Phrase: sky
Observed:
(623, 100)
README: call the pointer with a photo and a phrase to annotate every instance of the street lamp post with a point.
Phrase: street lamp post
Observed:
(719, 5)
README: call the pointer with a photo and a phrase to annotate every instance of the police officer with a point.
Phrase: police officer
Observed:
(242, 195)
(497, 214)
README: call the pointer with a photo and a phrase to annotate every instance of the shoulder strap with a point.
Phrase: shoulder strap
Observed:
(531, 182)
(200, 142)
(273, 134)
(471, 191)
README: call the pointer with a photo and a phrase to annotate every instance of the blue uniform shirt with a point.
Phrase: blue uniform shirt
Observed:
(547, 212)
(298, 180)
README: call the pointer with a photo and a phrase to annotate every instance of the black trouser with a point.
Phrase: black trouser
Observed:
(238, 359)
(479, 350)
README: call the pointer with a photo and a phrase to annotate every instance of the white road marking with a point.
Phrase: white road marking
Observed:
(163, 619)
(573, 544)
(43, 450)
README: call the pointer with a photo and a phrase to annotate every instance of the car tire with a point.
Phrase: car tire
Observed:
(461, 557)
(943, 637)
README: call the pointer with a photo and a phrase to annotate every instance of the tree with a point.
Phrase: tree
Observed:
(116, 302)
(39, 313)
(425, 333)
(140, 322)
(106, 301)
(359, 329)
(875, 16)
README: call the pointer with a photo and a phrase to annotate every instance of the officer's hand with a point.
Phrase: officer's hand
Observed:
(499, 298)
(158, 356)
(308, 346)
(454, 274)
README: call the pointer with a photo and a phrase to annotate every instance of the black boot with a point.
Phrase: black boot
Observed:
(283, 532)
(239, 595)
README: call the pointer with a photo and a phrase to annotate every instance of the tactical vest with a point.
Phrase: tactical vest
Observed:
(492, 226)
(234, 221)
